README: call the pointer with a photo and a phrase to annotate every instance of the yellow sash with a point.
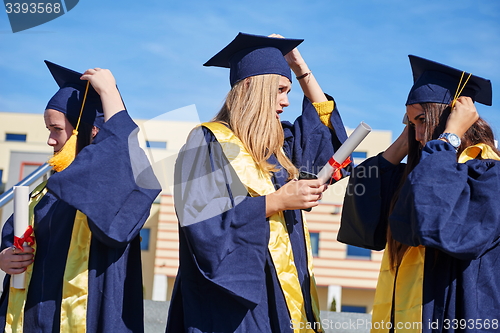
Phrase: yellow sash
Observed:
(408, 295)
(75, 283)
(76, 276)
(474, 151)
(259, 183)
(409, 282)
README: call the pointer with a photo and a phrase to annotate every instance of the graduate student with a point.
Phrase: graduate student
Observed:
(437, 216)
(245, 256)
(83, 272)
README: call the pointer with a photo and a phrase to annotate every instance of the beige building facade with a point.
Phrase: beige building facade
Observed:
(346, 276)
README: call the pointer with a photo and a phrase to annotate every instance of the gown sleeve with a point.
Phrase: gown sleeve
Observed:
(367, 203)
(7, 233)
(111, 182)
(224, 229)
(309, 143)
(449, 206)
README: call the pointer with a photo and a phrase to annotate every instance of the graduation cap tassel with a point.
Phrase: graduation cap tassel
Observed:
(459, 90)
(64, 157)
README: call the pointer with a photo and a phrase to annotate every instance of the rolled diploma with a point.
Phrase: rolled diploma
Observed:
(358, 135)
(21, 221)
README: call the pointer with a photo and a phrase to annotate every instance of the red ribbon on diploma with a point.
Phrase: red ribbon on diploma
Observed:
(337, 175)
(27, 237)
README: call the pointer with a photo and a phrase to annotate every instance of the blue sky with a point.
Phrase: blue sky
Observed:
(357, 50)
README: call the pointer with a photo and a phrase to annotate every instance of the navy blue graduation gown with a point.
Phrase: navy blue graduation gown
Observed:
(112, 183)
(452, 209)
(226, 280)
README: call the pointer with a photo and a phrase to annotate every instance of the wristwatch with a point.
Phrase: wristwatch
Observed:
(452, 139)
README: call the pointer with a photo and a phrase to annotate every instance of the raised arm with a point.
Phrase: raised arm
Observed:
(448, 205)
(308, 83)
(104, 84)
(462, 117)
(398, 149)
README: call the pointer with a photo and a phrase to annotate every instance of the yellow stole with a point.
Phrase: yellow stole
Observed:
(409, 281)
(474, 151)
(75, 283)
(408, 293)
(259, 183)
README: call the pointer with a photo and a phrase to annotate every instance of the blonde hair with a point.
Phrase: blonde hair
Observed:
(250, 112)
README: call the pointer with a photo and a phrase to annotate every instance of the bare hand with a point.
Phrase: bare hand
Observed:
(13, 261)
(104, 83)
(296, 194)
(101, 79)
(462, 116)
(309, 85)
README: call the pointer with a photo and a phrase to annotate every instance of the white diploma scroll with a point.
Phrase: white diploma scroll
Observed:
(21, 222)
(358, 135)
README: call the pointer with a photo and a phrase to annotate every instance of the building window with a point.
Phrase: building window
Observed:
(15, 137)
(145, 233)
(27, 168)
(336, 210)
(359, 154)
(354, 308)
(314, 243)
(156, 144)
(358, 252)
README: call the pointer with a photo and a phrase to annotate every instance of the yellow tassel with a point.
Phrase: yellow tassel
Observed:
(64, 157)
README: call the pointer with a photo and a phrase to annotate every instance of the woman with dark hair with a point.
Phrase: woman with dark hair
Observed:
(245, 256)
(437, 215)
(86, 132)
(83, 270)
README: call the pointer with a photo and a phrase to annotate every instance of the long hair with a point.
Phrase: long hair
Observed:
(436, 115)
(250, 112)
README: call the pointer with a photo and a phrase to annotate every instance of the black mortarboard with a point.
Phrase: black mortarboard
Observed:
(69, 98)
(438, 83)
(248, 55)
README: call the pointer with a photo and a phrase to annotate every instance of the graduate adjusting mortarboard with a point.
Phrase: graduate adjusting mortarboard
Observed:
(248, 55)
(78, 100)
(438, 83)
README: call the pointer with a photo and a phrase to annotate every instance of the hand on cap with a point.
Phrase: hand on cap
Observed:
(308, 83)
(104, 84)
(101, 79)
(294, 59)
(462, 116)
